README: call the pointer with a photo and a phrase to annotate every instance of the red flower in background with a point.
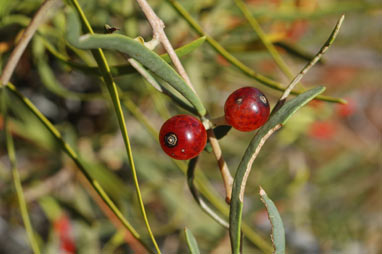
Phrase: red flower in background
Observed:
(322, 130)
(63, 229)
(346, 110)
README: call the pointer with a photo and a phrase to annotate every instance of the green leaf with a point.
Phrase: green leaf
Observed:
(278, 233)
(135, 50)
(127, 68)
(191, 242)
(186, 49)
(122, 69)
(278, 118)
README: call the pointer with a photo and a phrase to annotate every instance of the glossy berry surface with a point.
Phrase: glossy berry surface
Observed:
(182, 137)
(246, 109)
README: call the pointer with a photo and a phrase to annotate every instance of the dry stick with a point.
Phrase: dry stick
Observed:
(158, 31)
(139, 68)
(227, 178)
(42, 13)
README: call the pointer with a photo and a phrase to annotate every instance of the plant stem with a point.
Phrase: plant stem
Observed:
(16, 176)
(70, 152)
(235, 62)
(158, 31)
(227, 177)
(108, 79)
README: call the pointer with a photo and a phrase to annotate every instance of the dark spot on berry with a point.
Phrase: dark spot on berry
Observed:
(182, 137)
(171, 140)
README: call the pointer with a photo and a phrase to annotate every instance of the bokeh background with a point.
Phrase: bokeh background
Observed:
(323, 169)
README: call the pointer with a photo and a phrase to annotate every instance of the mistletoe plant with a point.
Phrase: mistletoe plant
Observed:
(182, 137)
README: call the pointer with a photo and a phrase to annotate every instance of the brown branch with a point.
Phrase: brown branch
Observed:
(226, 175)
(158, 32)
(46, 9)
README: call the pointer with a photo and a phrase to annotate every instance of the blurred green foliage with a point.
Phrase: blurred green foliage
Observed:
(322, 169)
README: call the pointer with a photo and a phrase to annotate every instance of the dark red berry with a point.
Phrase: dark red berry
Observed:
(246, 109)
(182, 137)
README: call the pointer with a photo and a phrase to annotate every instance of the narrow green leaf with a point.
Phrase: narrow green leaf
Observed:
(122, 69)
(191, 242)
(135, 50)
(186, 49)
(112, 87)
(278, 118)
(278, 233)
(235, 220)
(16, 175)
(74, 156)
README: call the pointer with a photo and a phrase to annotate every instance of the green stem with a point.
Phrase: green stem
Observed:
(16, 176)
(108, 79)
(70, 152)
(235, 62)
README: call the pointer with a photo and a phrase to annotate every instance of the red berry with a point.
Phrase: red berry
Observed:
(182, 137)
(246, 109)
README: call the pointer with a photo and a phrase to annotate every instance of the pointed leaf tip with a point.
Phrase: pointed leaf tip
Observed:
(191, 242)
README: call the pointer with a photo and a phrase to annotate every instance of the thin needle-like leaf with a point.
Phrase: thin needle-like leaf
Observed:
(73, 26)
(191, 242)
(15, 173)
